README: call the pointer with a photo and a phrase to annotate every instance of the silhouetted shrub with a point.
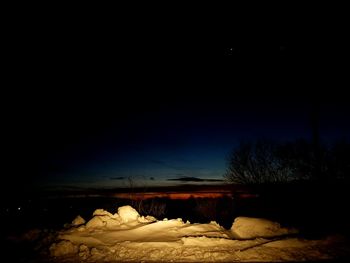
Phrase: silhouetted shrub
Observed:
(206, 208)
(257, 163)
(155, 207)
(263, 162)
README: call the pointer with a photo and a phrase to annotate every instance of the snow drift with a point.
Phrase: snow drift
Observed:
(127, 236)
(248, 228)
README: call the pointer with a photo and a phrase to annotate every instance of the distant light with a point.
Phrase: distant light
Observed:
(19, 208)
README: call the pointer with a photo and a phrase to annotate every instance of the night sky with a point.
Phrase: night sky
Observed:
(89, 109)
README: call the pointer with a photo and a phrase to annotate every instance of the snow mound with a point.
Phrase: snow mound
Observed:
(78, 221)
(103, 221)
(248, 228)
(103, 218)
(102, 212)
(128, 214)
(96, 221)
(128, 237)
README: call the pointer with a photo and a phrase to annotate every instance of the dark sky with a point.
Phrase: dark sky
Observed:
(89, 108)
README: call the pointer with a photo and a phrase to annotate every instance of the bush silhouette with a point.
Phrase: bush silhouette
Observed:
(257, 163)
(268, 162)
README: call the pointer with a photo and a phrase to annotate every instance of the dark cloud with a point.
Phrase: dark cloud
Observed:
(117, 178)
(151, 178)
(194, 179)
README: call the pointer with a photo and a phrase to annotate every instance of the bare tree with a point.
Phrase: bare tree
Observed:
(257, 163)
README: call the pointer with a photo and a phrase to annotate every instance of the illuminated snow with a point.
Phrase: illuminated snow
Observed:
(247, 228)
(127, 236)
(127, 213)
(78, 221)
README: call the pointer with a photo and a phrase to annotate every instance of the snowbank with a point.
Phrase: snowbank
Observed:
(248, 228)
(127, 236)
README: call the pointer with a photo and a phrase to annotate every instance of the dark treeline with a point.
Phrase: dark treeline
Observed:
(265, 161)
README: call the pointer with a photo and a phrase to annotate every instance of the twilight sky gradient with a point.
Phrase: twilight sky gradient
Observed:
(94, 143)
(90, 113)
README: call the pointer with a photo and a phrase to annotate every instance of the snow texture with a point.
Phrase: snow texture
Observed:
(248, 228)
(63, 248)
(127, 237)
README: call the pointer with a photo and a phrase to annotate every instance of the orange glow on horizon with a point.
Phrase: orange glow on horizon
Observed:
(178, 195)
